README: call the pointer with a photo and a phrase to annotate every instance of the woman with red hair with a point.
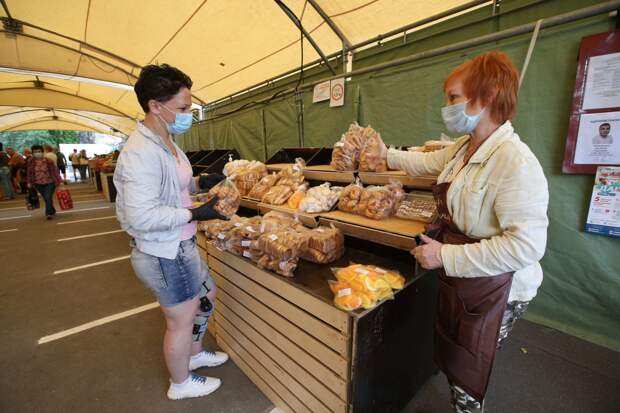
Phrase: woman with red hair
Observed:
(492, 198)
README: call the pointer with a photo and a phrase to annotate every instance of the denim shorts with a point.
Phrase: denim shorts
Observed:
(172, 281)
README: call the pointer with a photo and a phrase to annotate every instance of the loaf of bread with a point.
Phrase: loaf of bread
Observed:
(284, 245)
(323, 245)
(292, 175)
(247, 176)
(232, 166)
(277, 195)
(320, 198)
(373, 157)
(261, 188)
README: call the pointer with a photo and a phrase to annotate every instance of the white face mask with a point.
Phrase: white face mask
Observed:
(457, 121)
(37, 155)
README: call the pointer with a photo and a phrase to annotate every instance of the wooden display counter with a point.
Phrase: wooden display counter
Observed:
(249, 203)
(305, 354)
(107, 185)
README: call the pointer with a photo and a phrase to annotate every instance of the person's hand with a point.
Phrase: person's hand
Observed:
(208, 181)
(206, 211)
(428, 255)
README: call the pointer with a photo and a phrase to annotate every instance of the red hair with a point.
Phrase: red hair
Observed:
(491, 79)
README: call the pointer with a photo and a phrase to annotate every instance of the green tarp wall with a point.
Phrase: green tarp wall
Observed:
(580, 293)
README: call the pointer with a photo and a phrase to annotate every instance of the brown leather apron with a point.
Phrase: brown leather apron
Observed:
(469, 314)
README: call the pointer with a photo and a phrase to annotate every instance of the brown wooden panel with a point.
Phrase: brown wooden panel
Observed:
(289, 397)
(385, 178)
(276, 362)
(282, 331)
(201, 240)
(255, 377)
(379, 236)
(320, 378)
(327, 312)
(230, 278)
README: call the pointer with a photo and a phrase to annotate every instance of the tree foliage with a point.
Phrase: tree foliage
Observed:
(19, 140)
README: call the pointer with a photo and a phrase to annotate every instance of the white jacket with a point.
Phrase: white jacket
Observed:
(500, 197)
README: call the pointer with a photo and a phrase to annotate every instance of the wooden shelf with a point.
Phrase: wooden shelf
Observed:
(249, 203)
(328, 173)
(277, 166)
(394, 232)
(384, 178)
(309, 220)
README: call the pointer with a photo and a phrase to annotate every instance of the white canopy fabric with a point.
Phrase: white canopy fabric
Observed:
(224, 45)
(13, 118)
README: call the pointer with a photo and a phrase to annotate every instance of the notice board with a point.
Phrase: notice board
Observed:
(594, 124)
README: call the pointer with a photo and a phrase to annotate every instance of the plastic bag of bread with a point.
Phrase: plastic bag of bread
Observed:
(377, 202)
(324, 245)
(277, 195)
(229, 197)
(261, 188)
(282, 267)
(320, 198)
(364, 281)
(213, 227)
(247, 176)
(350, 197)
(345, 297)
(284, 245)
(372, 155)
(295, 199)
(293, 175)
(232, 166)
(346, 152)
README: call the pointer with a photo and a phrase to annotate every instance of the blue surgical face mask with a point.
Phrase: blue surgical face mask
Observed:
(182, 122)
(457, 121)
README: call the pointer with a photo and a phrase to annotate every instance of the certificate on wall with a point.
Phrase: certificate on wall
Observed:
(593, 137)
(598, 140)
(602, 88)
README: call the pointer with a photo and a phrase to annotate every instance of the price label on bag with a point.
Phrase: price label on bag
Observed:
(245, 243)
(344, 292)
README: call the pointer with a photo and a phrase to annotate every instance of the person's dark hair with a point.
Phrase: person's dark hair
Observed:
(604, 124)
(160, 83)
(36, 148)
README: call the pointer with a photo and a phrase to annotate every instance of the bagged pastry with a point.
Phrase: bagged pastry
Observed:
(368, 282)
(229, 197)
(293, 175)
(261, 188)
(213, 227)
(284, 245)
(372, 154)
(350, 197)
(247, 176)
(346, 152)
(298, 195)
(232, 166)
(377, 202)
(320, 198)
(277, 195)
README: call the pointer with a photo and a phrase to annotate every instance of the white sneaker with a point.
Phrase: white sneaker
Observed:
(207, 359)
(194, 386)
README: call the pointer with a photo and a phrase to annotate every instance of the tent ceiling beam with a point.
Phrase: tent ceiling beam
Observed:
(297, 23)
(43, 119)
(345, 42)
(354, 47)
(6, 9)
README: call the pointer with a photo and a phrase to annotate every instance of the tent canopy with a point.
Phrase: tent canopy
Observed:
(224, 45)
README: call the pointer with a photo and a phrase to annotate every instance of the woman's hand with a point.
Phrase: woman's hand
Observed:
(429, 254)
(206, 212)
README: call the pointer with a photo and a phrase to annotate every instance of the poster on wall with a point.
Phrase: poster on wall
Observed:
(598, 140)
(604, 212)
(593, 137)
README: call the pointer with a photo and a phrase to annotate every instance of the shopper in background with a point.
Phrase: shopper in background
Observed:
(492, 198)
(61, 163)
(75, 163)
(153, 179)
(16, 163)
(49, 154)
(23, 172)
(44, 177)
(5, 177)
(83, 165)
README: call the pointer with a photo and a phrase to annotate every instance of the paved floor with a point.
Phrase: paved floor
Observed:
(118, 367)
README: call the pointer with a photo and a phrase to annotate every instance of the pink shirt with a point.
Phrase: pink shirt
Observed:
(184, 171)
